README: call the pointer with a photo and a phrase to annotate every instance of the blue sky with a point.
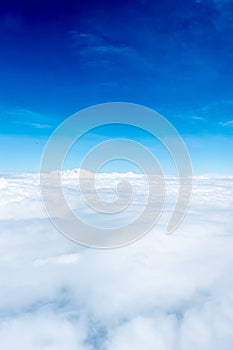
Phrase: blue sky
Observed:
(58, 57)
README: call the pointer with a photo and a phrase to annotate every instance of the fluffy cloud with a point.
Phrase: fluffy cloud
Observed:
(162, 292)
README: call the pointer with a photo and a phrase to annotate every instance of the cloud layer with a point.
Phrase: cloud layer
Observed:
(162, 292)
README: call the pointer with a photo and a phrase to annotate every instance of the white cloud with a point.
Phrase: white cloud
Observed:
(162, 292)
(42, 330)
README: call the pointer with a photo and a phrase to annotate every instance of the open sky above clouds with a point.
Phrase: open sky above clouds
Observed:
(60, 56)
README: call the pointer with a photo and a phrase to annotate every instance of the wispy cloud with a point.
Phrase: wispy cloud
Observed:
(195, 117)
(27, 117)
(217, 111)
(228, 123)
(91, 43)
(41, 126)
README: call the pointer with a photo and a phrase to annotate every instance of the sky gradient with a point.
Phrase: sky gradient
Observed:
(164, 291)
(58, 57)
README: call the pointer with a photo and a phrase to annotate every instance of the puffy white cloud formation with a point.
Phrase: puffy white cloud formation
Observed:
(162, 292)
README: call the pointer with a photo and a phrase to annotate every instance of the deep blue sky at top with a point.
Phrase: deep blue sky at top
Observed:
(60, 56)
